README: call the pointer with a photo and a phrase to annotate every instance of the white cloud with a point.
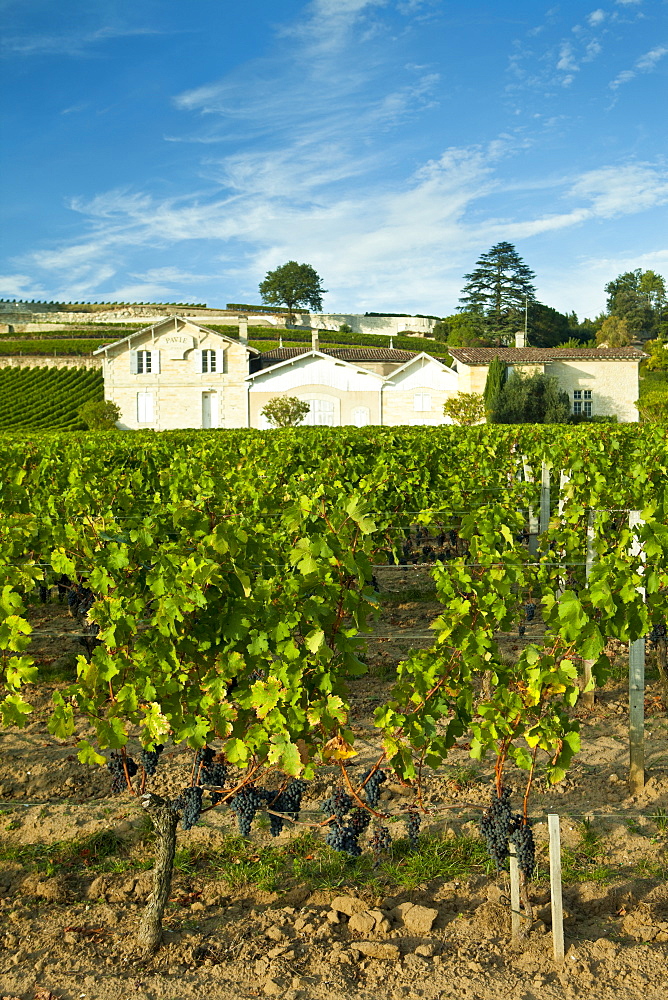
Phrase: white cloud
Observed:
(645, 64)
(596, 17)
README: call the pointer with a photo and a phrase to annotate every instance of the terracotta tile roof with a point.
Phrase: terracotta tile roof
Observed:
(342, 353)
(540, 355)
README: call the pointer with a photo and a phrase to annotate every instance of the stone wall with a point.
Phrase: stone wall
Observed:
(37, 361)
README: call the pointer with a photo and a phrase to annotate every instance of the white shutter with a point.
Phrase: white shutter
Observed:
(155, 362)
(197, 361)
(133, 362)
(220, 361)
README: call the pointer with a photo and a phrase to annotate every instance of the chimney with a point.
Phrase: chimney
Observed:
(243, 329)
(520, 339)
(315, 343)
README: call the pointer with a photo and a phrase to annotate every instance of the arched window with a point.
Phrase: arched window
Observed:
(321, 413)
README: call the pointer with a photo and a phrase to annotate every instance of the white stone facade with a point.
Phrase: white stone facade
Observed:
(177, 374)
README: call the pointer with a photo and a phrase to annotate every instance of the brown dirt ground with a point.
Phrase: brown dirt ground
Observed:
(69, 937)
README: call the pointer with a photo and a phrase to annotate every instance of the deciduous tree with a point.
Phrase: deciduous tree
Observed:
(614, 332)
(294, 285)
(285, 411)
(466, 408)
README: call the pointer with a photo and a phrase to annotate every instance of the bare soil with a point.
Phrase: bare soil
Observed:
(69, 935)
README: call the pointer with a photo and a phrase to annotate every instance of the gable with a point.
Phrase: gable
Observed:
(423, 372)
(174, 336)
(314, 369)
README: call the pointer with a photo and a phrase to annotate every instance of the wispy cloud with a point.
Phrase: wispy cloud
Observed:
(75, 43)
(645, 64)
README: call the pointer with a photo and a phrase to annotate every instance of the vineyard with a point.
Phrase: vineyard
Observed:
(333, 681)
(46, 398)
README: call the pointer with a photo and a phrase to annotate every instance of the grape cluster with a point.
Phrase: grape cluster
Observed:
(372, 782)
(117, 771)
(190, 802)
(530, 611)
(658, 633)
(413, 828)
(338, 804)
(287, 801)
(521, 628)
(214, 774)
(359, 820)
(149, 759)
(80, 600)
(380, 841)
(245, 804)
(210, 768)
(525, 848)
(496, 827)
(343, 837)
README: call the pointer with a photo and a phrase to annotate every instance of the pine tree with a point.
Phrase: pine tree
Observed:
(497, 289)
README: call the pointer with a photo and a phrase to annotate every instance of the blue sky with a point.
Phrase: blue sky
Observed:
(158, 150)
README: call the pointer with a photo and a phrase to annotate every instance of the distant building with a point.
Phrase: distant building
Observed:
(178, 374)
(600, 381)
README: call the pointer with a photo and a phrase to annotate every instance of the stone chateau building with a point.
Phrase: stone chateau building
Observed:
(178, 374)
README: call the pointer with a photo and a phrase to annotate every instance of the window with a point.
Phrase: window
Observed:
(582, 402)
(422, 401)
(144, 407)
(321, 413)
(208, 361)
(361, 416)
(143, 362)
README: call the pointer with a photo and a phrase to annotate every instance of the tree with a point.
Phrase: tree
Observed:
(658, 356)
(534, 399)
(614, 332)
(461, 330)
(639, 297)
(547, 326)
(497, 373)
(497, 289)
(653, 406)
(466, 408)
(99, 415)
(285, 411)
(295, 285)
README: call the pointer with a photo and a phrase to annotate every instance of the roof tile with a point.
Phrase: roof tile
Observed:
(540, 355)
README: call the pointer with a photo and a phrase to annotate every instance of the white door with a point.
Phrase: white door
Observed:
(361, 416)
(209, 409)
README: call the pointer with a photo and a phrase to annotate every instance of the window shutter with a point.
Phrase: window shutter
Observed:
(220, 361)
(155, 362)
(149, 407)
(197, 361)
(133, 362)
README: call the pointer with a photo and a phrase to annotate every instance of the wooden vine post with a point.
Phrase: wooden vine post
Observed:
(515, 915)
(636, 688)
(556, 898)
(588, 696)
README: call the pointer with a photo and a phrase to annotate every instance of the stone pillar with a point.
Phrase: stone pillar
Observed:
(315, 342)
(243, 329)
